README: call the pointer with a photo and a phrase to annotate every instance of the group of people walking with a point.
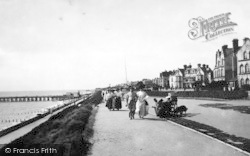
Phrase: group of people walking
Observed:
(135, 101)
(113, 99)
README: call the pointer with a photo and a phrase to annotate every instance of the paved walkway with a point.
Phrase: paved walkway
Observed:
(115, 134)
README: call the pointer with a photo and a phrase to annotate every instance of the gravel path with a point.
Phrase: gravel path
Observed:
(115, 134)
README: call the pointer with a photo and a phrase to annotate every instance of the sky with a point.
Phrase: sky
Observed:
(85, 44)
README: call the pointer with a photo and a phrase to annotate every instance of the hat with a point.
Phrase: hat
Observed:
(169, 96)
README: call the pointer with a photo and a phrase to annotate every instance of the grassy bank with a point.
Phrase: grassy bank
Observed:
(27, 122)
(67, 132)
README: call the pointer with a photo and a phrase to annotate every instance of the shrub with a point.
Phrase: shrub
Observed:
(239, 94)
(157, 93)
(217, 85)
(245, 87)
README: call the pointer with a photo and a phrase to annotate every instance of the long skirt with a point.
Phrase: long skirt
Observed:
(109, 103)
(118, 103)
(141, 108)
(132, 105)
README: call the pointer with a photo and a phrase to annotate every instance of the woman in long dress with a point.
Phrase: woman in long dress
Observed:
(109, 102)
(141, 107)
(130, 99)
(118, 102)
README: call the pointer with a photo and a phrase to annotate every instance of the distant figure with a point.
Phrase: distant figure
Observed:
(118, 99)
(103, 95)
(168, 97)
(119, 93)
(141, 108)
(130, 99)
(109, 101)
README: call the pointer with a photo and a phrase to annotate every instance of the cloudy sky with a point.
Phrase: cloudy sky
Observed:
(83, 44)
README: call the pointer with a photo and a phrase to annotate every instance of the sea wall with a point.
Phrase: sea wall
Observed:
(24, 123)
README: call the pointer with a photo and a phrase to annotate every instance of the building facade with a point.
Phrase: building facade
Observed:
(200, 73)
(243, 63)
(176, 79)
(164, 79)
(219, 69)
(226, 64)
(157, 81)
(147, 82)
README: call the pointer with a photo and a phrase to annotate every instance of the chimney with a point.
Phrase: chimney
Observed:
(245, 39)
(185, 67)
(224, 48)
(235, 45)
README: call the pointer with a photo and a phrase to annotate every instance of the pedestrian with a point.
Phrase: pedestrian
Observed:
(130, 99)
(141, 107)
(114, 97)
(109, 101)
(118, 102)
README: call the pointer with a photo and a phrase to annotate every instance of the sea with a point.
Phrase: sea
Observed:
(12, 113)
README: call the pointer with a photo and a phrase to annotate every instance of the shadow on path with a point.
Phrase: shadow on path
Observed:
(190, 114)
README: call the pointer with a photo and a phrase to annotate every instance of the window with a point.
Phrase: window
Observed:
(247, 81)
(241, 69)
(247, 70)
(242, 81)
(221, 72)
(245, 55)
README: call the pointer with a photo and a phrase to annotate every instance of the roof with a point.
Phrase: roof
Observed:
(182, 71)
(206, 70)
(166, 73)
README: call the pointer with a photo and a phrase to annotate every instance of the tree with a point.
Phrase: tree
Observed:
(245, 87)
(140, 85)
(217, 85)
(197, 85)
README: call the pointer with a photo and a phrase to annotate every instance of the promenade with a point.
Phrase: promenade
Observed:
(116, 134)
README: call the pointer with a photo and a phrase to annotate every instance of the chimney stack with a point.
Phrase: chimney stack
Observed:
(185, 67)
(245, 39)
(224, 48)
(235, 45)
